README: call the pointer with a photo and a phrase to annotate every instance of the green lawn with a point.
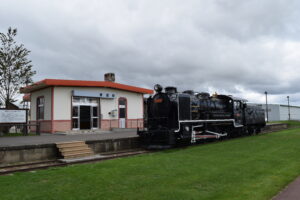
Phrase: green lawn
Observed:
(291, 123)
(254, 167)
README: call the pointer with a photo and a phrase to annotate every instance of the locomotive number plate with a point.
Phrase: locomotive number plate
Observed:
(158, 100)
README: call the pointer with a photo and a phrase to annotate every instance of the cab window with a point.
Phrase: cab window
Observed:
(237, 105)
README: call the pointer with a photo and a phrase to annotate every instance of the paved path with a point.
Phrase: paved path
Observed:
(291, 192)
(53, 138)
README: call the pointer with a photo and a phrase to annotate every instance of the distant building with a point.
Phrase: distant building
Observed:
(279, 112)
(65, 105)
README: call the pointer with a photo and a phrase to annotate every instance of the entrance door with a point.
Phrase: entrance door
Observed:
(85, 117)
(122, 112)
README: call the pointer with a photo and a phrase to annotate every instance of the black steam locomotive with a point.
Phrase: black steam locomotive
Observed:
(186, 117)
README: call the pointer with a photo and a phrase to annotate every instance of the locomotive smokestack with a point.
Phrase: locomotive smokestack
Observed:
(109, 77)
(171, 90)
(203, 95)
(157, 88)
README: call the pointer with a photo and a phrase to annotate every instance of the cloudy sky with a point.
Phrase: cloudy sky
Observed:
(234, 47)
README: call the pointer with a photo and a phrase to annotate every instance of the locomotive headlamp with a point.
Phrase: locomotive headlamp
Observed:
(158, 88)
(187, 128)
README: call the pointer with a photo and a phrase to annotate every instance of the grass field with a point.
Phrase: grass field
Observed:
(291, 123)
(254, 167)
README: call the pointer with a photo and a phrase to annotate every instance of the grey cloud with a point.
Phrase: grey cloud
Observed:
(202, 45)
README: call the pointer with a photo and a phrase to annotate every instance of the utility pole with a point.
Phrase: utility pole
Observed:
(266, 93)
(288, 98)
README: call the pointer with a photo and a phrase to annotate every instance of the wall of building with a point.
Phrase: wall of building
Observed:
(278, 112)
(63, 103)
(63, 108)
(294, 112)
(273, 112)
(45, 124)
(46, 93)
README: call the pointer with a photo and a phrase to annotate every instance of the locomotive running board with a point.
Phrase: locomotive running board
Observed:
(236, 125)
(217, 134)
(199, 137)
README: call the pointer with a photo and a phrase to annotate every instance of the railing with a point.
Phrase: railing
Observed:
(135, 123)
(23, 128)
(130, 123)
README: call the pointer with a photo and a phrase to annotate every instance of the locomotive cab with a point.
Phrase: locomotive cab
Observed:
(238, 112)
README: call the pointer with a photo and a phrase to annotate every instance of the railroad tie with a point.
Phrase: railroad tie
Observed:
(74, 149)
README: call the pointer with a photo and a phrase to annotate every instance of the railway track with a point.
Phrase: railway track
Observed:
(57, 163)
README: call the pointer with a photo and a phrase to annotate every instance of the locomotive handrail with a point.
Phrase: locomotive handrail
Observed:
(209, 120)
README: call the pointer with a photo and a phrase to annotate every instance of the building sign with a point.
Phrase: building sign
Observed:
(12, 116)
(84, 93)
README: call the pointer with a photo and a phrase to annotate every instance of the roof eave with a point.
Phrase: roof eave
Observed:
(50, 83)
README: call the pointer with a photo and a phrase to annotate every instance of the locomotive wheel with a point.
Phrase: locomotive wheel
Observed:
(183, 142)
(171, 139)
(238, 132)
(250, 131)
(257, 130)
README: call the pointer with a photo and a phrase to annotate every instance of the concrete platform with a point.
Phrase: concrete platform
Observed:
(22, 149)
(54, 138)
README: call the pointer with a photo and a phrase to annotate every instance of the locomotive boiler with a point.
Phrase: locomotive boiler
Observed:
(174, 117)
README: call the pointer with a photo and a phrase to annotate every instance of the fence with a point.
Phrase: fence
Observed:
(18, 128)
(130, 123)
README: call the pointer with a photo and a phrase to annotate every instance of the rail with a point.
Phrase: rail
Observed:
(56, 163)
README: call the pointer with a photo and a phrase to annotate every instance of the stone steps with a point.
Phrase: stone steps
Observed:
(74, 149)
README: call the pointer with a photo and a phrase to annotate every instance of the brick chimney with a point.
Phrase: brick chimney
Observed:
(109, 77)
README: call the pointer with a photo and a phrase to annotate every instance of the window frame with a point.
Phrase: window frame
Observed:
(93, 102)
(76, 117)
(95, 117)
(40, 108)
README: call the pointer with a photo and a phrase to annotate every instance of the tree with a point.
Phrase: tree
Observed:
(15, 67)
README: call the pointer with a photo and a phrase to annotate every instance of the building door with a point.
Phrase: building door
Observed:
(85, 117)
(85, 113)
(122, 112)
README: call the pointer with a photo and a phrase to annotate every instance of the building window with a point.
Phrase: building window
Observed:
(75, 111)
(95, 117)
(122, 108)
(40, 102)
(75, 123)
(122, 112)
(75, 117)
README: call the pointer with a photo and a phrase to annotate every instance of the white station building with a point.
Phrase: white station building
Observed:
(280, 112)
(70, 105)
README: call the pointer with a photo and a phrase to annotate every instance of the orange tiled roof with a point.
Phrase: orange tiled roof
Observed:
(77, 83)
